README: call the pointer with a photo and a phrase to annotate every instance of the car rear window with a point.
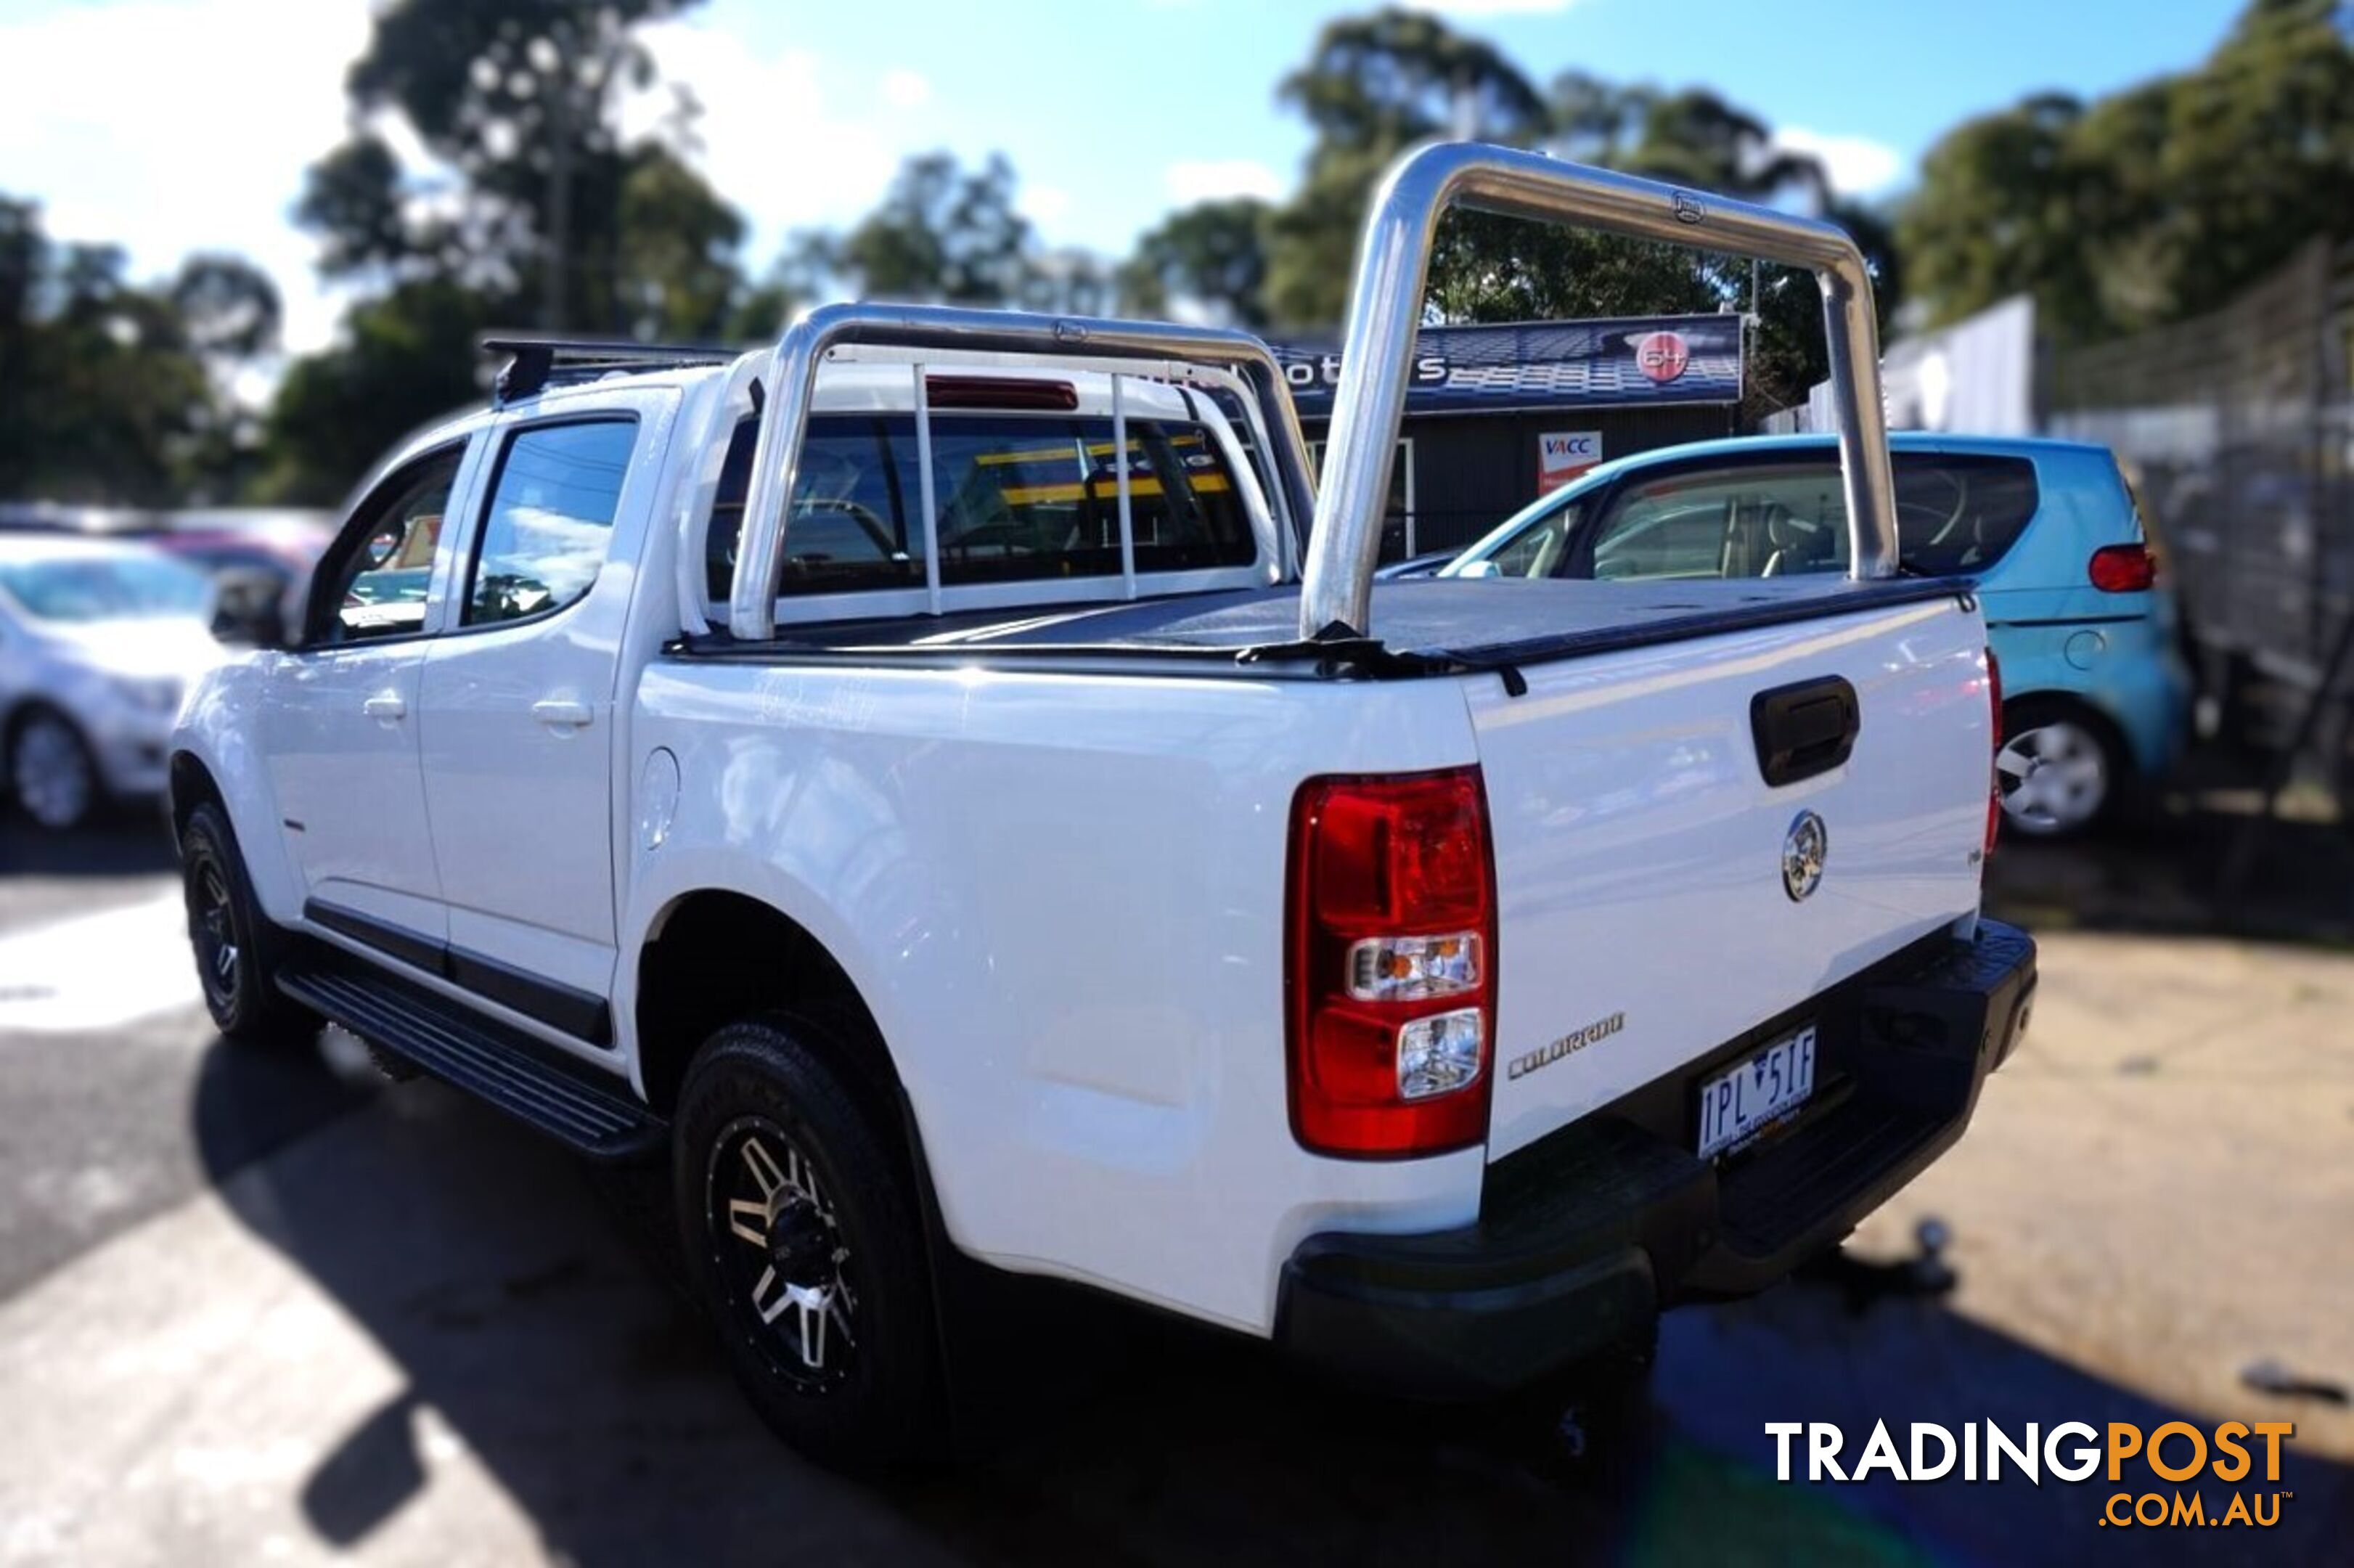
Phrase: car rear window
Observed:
(1020, 497)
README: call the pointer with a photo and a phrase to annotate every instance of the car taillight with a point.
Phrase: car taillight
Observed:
(1391, 973)
(1993, 771)
(2123, 568)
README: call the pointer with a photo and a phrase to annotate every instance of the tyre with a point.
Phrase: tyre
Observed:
(2060, 769)
(235, 945)
(804, 1247)
(52, 772)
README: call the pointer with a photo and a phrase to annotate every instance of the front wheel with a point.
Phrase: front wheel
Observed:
(2058, 770)
(234, 944)
(804, 1247)
(54, 777)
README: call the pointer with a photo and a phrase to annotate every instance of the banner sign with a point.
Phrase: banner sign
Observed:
(1563, 455)
(1628, 361)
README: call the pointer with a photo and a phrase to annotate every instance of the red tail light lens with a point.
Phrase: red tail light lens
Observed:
(2123, 568)
(1391, 975)
(1994, 787)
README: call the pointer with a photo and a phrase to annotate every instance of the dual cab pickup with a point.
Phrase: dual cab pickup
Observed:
(948, 786)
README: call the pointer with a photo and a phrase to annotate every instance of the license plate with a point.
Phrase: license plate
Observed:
(1753, 1097)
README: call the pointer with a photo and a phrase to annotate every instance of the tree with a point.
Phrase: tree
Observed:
(1211, 256)
(535, 212)
(1372, 87)
(941, 233)
(113, 393)
(2153, 204)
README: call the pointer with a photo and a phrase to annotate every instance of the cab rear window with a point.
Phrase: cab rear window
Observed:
(1018, 498)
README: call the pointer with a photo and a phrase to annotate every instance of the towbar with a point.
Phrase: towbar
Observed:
(1385, 308)
(792, 384)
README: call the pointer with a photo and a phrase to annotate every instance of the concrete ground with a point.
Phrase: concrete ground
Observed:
(259, 1307)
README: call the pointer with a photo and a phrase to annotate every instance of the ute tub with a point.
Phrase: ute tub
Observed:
(1429, 626)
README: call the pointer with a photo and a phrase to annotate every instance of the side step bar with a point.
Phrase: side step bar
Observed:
(514, 1071)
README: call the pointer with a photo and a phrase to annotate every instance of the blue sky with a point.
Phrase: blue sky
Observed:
(1112, 111)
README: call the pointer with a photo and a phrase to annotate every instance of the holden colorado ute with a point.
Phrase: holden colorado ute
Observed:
(948, 786)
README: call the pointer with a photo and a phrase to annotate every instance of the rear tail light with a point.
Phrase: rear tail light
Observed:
(1993, 771)
(2123, 568)
(1391, 978)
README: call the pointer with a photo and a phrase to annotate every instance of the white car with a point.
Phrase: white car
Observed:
(97, 644)
(923, 783)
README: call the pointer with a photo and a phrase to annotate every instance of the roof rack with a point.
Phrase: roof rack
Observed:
(537, 363)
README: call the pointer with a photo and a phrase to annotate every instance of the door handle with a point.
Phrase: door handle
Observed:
(385, 706)
(559, 713)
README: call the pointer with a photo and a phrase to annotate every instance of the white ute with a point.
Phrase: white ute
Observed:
(931, 784)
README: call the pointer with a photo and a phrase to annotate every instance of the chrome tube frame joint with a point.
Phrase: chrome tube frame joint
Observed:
(792, 385)
(1385, 310)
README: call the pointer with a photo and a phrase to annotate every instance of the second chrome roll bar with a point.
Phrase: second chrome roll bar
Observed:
(1385, 310)
(793, 383)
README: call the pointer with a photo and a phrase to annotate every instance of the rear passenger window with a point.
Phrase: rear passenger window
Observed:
(549, 519)
(1956, 514)
(1019, 498)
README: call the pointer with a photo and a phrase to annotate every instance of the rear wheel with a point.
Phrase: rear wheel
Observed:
(2059, 771)
(235, 945)
(804, 1247)
(51, 769)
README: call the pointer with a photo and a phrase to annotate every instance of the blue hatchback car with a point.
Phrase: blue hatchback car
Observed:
(2096, 694)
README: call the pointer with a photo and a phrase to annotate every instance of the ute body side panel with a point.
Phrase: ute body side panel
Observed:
(1061, 897)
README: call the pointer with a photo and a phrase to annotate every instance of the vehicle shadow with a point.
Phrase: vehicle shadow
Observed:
(521, 1307)
(120, 843)
(2168, 870)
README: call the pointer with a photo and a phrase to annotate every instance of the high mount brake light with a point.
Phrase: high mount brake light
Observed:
(2123, 568)
(1391, 970)
(1013, 392)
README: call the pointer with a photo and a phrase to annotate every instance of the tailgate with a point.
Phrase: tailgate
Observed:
(1643, 917)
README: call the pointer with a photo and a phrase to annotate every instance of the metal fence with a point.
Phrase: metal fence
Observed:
(2238, 429)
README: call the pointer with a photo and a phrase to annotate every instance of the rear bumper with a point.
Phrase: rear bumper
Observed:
(1584, 1237)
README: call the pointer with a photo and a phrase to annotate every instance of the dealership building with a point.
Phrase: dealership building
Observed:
(1497, 415)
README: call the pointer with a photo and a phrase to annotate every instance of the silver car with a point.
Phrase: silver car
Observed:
(98, 642)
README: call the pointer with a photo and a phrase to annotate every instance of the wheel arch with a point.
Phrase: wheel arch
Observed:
(2079, 705)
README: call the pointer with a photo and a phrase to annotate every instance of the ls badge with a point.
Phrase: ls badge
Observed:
(1804, 849)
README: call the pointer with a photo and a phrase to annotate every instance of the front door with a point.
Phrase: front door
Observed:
(518, 736)
(341, 727)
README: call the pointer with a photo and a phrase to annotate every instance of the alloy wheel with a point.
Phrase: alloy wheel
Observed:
(213, 926)
(2054, 778)
(782, 1256)
(51, 772)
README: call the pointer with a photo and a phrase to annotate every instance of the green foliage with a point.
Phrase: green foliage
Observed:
(536, 214)
(111, 393)
(1211, 255)
(2153, 204)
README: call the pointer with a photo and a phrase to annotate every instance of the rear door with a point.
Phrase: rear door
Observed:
(1644, 917)
(518, 718)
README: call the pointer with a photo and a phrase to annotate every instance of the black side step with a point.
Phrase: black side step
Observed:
(511, 1070)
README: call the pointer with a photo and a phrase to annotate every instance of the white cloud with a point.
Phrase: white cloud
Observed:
(150, 124)
(1858, 165)
(776, 133)
(905, 89)
(1211, 179)
(1045, 203)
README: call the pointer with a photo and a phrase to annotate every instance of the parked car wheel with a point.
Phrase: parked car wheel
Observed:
(51, 769)
(2059, 770)
(235, 946)
(804, 1246)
